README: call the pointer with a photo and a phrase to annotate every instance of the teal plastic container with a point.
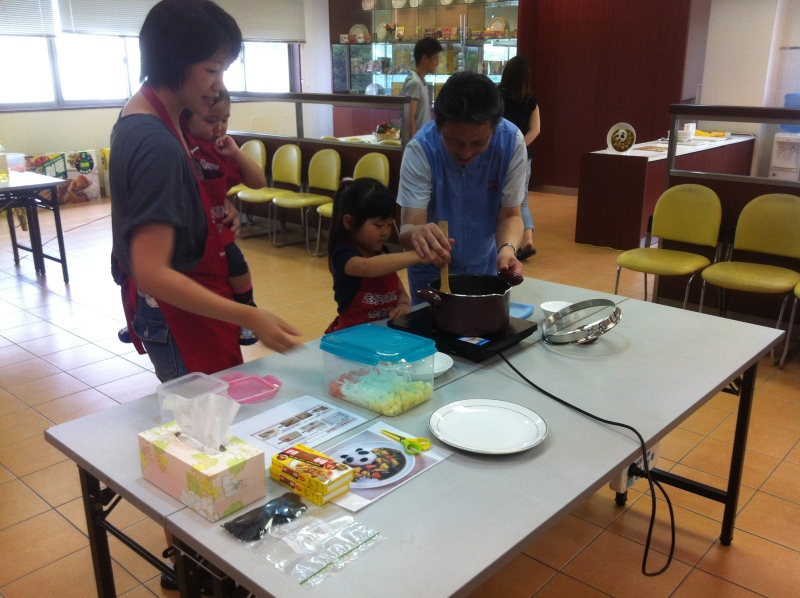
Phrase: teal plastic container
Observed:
(388, 371)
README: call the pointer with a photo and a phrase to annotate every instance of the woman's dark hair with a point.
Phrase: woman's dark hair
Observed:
(362, 199)
(516, 80)
(468, 98)
(179, 33)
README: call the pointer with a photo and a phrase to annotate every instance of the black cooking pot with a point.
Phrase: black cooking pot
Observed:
(477, 305)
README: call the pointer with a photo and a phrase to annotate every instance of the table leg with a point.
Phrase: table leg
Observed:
(738, 454)
(13, 233)
(98, 540)
(35, 232)
(59, 234)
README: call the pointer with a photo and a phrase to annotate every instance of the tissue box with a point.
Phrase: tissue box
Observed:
(385, 370)
(189, 386)
(212, 485)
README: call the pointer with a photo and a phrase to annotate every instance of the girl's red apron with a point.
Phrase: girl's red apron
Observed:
(206, 345)
(375, 298)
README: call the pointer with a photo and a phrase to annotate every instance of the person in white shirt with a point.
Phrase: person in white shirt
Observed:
(426, 59)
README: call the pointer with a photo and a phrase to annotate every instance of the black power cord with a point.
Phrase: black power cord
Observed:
(643, 472)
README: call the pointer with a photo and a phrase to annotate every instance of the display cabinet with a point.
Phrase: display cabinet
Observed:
(373, 41)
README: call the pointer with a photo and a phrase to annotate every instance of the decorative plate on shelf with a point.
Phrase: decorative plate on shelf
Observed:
(367, 4)
(621, 137)
(498, 24)
(445, 2)
(413, 3)
(380, 33)
(359, 28)
(398, 3)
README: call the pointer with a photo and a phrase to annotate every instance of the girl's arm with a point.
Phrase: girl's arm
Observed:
(403, 302)
(534, 127)
(151, 255)
(252, 174)
(378, 265)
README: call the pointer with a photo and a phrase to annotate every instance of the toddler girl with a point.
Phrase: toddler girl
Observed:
(365, 281)
(217, 151)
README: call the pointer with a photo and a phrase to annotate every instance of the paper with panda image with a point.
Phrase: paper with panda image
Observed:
(381, 464)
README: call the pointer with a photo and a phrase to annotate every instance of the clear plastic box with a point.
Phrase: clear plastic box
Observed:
(388, 371)
(189, 386)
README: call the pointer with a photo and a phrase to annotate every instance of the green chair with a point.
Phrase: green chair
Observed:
(255, 150)
(685, 213)
(324, 173)
(286, 168)
(768, 224)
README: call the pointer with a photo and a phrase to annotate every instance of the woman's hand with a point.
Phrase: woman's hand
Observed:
(271, 330)
(401, 309)
(231, 219)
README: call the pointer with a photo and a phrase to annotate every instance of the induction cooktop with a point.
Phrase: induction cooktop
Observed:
(475, 349)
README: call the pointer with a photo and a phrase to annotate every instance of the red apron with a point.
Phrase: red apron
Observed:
(206, 345)
(375, 298)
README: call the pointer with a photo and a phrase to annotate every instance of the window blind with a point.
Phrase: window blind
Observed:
(26, 17)
(259, 20)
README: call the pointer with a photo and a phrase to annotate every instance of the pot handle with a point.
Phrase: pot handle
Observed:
(429, 295)
(513, 278)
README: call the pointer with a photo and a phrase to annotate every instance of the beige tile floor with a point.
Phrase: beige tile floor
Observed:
(60, 359)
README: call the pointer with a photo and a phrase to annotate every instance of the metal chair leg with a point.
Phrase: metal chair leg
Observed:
(778, 326)
(788, 334)
(616, 284)
(645, 286)
(688, 286)
(702, 296)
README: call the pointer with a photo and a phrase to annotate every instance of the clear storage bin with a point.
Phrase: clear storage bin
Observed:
(189, 386)
(385, 370)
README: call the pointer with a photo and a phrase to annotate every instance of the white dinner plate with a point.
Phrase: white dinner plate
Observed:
(413, 3)
(354, 453)
(367, 4)
(441, 363)
(621, 137)
(445, 2)
(359, 28)
(398, 3)
(381, 32)
(488, 426)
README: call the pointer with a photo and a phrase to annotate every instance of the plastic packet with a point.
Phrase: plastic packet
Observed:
(312, 548)
(253, 525)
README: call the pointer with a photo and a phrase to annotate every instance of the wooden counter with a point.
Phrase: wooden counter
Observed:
(618, 192)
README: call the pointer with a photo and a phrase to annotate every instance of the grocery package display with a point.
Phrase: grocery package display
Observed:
(77, 168)
(385, 370)
(311, 468)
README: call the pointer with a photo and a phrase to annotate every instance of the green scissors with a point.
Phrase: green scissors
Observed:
(412, 445)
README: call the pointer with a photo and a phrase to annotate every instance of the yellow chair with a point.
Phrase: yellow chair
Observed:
(255, 150)
(323, 211)
(786, 352)
(685, 213)
(769, 224)
(374, 165)
(324, 172)
(286, 165)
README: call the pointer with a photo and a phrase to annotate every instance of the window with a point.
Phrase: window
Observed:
(92, 67)
(262, 67)
(26, 63)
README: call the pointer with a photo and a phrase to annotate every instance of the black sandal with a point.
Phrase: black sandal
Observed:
(524, 254)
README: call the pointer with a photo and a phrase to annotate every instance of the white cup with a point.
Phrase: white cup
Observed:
(550, 307)
(690, 127)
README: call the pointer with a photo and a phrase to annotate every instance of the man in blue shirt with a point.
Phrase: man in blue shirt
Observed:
(467, 167)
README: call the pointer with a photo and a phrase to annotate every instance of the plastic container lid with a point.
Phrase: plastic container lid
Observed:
(193, 385)
(372, 344)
